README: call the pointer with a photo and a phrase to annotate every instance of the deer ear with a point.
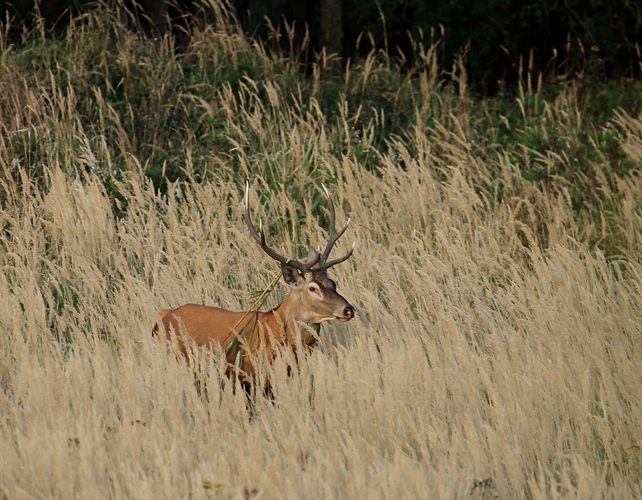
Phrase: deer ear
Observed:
(313, 255)
(291, 275)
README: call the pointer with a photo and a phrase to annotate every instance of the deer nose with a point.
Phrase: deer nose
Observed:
(349, 312)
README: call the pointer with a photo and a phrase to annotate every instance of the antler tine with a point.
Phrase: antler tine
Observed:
(334, 262)
(260, 239)
(333, 236)
(332, 230)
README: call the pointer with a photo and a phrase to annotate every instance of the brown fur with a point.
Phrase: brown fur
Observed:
(312, 300)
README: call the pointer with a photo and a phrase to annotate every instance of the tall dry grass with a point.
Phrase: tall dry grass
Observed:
(477, 352)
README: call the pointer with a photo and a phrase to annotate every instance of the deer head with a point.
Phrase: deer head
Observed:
(313, 296)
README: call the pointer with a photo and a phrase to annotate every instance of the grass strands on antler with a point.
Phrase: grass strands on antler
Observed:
(237, 344)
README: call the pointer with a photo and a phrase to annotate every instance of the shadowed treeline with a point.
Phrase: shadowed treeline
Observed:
(572, 39)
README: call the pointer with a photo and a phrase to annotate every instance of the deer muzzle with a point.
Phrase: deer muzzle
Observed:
(348, 314)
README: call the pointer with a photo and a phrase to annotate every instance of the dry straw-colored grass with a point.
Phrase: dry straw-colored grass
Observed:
(477, 352)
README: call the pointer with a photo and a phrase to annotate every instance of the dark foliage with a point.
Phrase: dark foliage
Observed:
(502, 39)
(555, 38)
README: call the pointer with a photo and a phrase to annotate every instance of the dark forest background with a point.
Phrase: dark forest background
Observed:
(497, 38)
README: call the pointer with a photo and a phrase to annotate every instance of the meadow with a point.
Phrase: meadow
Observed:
(497, 273)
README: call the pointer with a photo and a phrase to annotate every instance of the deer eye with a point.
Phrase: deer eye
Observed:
(313, 288)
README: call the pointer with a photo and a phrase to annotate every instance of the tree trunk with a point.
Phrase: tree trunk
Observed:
(297, 12)
(156, 11)
(332, 30)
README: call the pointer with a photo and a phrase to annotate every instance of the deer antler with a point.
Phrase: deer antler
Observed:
(333, 236)
(303, 267)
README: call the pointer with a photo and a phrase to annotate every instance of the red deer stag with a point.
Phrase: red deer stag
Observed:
(312, 299)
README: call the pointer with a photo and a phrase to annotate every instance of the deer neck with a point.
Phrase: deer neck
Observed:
(289, 317)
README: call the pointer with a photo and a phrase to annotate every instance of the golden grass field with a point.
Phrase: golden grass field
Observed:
(477, 350)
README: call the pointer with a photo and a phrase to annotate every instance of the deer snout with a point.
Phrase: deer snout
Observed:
(348, 313)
